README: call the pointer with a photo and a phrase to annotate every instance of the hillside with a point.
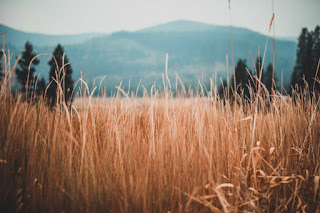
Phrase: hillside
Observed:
(196, 51)
(18, 38)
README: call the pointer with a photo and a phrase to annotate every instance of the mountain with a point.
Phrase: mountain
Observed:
(182, 26)
(18, 38)
(196, 51)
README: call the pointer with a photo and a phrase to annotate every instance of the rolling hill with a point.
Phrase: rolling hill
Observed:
(196, 51)
(18, 38)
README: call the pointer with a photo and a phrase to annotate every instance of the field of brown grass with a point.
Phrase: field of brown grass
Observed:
(160, 154)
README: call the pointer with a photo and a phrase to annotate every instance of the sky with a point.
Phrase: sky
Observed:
(81, 16)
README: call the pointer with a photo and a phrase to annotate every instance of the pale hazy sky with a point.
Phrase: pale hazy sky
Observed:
(79, 16)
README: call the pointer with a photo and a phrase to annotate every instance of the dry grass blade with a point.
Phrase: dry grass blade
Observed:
(316, 186)
(272, 18)
(205, 203)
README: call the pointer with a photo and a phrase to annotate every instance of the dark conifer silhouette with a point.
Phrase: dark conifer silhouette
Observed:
(242, 78)
(308, 54)
(316, 55)
(307, 64)
(41, 87)
(60, 71)
(267, 78)
(296, 79)
(24, 76)
(223, 89)
(258, 67)
(1, 67)
(257, 71)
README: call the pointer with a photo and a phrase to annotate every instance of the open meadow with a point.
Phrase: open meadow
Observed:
(160, 153)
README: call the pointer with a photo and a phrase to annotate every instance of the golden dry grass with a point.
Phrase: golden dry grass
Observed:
(153, 155)
(160, 154)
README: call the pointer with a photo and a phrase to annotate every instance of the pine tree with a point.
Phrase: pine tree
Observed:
(307, 70)
(241, 78)
(316, 55)
(298, 72)
(41, 87)
(62, 74)
(223, 89)
(257, 72)
(258, 66)
(308, 54)
(1, 67)
(267, 78)
(25, 76)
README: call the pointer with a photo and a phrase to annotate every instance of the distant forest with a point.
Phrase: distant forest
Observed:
(304, 76)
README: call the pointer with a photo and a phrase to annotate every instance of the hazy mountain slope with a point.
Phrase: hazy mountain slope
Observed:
(182, 26)
(18, 38)
(196, 51)
(192, 53)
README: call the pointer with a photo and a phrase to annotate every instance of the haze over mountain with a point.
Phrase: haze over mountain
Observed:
(19, 38)
(196, 51)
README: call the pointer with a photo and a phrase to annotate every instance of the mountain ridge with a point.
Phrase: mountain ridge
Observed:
(195, 50)
(172, 26)
(19, 37)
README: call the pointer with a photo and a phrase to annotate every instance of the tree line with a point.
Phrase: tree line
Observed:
(60, 75)
(304, 76)
(244, 79)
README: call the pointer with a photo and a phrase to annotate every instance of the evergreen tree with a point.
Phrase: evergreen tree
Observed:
(23, 74)
(298, 72)
(241, 78)
(267, 78)
(316, 55)
(1, 67)
(307, 70)
(62, 74)
(41, 87)
(308, 54)
(223, 89)
(257, 72)
(258, 66)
